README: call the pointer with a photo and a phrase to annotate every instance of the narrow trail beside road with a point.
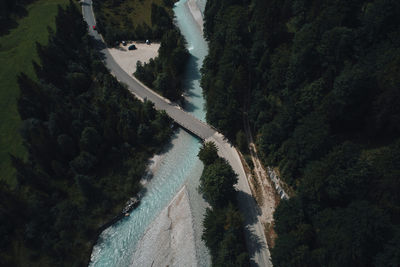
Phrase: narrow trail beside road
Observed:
(255, 238)
(260, 183)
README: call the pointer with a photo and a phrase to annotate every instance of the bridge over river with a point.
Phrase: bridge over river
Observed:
(255, 238)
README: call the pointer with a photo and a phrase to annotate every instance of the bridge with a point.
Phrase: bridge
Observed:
(254, 231)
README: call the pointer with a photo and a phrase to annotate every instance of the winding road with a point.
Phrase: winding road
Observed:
(255, 238)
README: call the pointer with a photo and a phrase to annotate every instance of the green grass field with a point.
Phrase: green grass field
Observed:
(17, 50)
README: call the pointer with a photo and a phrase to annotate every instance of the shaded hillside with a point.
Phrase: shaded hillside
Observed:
(319, 82)
(88, 141)
(17, 49)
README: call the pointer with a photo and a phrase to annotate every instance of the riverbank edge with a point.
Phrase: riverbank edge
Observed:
(179, 215)
(127, 208)
(193, 9)
(196, 13)
(121, 215)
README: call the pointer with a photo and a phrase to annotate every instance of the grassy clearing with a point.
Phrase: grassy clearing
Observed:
(17, 50)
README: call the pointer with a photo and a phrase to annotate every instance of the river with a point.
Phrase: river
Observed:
(178, 165)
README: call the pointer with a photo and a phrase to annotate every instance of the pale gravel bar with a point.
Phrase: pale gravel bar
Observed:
(127, 59)
(169, 240)
(196, 13)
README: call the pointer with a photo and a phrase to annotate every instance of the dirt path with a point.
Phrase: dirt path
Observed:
(262, 188)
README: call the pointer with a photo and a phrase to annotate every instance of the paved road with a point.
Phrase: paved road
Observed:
(184, 119)
(255, 238)
(254, 233)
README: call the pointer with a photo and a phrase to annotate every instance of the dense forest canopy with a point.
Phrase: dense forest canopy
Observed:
(164, 73)
(133, 19)
(223, 223)
(88, 141)
(319, 82)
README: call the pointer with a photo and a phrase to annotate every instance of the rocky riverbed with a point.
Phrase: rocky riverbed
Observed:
(169, 240)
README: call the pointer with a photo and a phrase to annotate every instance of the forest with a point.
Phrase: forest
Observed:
(133, 19)
(318, 80)
(223, 223)
(164, 73)
(88, 141)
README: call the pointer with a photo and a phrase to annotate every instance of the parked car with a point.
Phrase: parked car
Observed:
(132, 47)
(94, 27)
(123, 43)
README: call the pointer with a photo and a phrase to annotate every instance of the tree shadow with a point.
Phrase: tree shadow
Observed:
(6, 26)
(9, 23)
(254, 245)
(191, 74)
(98, 43)
(250, 212)
(166, 148)
(120, 48)
(252, 209)
(21, 11)
(189, 107)
(192, 94)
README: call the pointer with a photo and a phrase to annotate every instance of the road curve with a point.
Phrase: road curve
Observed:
(255, 238)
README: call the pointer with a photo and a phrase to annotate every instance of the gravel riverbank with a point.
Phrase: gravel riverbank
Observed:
(169, 240)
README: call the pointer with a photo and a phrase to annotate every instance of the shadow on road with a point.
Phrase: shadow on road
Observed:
(250, 217)
(98, 45)
(250, 211)
(255, 245)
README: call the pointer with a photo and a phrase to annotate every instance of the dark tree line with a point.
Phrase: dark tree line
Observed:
(10, 10)
(164, 73)
(319, 83)
(223, 223)
(120, 27)
(88, 141)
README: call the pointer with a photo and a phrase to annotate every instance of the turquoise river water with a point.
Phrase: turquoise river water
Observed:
(177, 166)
